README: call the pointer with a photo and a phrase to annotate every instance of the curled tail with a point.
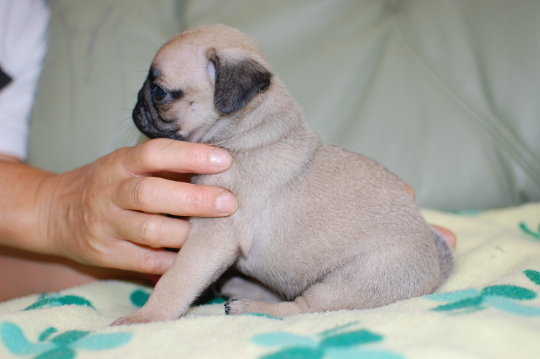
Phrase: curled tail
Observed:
(444, 251)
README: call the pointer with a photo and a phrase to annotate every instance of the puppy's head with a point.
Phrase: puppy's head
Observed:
(198, 82)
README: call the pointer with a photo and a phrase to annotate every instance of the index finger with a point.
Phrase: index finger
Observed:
(162, 154)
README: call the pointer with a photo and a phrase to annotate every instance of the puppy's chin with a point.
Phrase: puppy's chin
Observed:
(147, 125)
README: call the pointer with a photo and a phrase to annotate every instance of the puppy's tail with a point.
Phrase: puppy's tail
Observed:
(444, 251)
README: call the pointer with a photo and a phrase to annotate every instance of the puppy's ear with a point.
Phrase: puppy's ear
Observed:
(236, 81)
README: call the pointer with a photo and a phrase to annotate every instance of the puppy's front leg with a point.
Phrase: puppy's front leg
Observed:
(203, 258)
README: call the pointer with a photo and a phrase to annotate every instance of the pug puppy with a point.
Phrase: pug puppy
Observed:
(321, 227)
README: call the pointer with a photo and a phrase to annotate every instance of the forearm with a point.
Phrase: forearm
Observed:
(23, 206)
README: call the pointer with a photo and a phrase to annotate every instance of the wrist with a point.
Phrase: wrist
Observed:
(47, 214)
(22, 204)
(58, 206)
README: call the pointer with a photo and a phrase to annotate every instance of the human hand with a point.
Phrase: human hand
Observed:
(105, 213)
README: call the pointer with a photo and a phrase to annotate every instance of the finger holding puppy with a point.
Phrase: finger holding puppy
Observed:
(159, 195)
(161, 154)
(105, 213)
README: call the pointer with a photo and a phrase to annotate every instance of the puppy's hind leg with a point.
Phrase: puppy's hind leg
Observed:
(368, 282)
(281, 309)
(320, 297)
(248, 288)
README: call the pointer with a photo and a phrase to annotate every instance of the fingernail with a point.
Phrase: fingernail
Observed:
(226, 203)
(220, 158)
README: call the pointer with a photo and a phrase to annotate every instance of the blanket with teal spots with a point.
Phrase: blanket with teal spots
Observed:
(488, 308)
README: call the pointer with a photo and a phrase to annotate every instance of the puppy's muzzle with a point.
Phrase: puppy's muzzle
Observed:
(147, 118)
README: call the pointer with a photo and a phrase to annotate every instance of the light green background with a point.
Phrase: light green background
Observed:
(445, 93)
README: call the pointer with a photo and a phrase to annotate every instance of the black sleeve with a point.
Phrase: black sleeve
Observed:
(4, 79)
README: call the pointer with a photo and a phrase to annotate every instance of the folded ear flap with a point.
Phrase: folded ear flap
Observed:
(236, 81)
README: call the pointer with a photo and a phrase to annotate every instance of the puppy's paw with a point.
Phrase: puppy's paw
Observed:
(137, 317)
(128, 321)
(237, 306)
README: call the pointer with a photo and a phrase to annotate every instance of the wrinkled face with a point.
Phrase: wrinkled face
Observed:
(191, 88)
(177, 96)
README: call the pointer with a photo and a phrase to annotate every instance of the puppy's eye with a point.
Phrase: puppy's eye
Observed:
(158, 93)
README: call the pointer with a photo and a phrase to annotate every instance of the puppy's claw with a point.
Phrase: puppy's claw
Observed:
(139, 317)
(118, 321)
(237, 306)
(228, 309)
